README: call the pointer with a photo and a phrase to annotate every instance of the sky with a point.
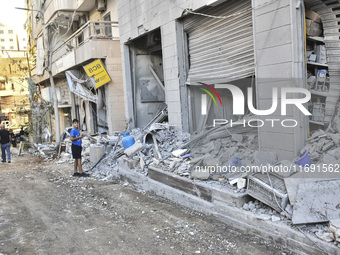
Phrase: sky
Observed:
(10, 16)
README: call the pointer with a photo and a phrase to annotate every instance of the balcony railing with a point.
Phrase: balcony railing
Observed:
(91, 30)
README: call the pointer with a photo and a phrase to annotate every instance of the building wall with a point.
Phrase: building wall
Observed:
(278, 49)
(279, 56)
(137, 18)
(65, 93)
(17, 40)
(115, 91)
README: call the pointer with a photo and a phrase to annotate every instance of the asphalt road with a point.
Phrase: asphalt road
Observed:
(44, 210)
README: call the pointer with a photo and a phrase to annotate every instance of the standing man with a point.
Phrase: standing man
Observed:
(5, 137)
(76, 149)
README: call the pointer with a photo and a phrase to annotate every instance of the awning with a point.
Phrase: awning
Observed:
(79, 86)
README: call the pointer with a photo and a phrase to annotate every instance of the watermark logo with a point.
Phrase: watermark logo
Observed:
(204, 97)
(239, 100)
(296, 97)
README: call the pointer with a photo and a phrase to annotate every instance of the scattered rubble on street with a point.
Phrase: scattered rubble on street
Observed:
(197, 157)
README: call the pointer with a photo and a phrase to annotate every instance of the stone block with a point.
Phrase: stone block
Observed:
(200, 174)
(134, 149)
(96, 152)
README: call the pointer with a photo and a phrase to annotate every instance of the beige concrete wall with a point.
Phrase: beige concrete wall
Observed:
(279, 63)
(115, 91)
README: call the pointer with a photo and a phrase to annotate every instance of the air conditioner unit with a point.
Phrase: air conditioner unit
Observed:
(101, 5)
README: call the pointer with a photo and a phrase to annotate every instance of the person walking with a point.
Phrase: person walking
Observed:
(76, 149)
(5, 137)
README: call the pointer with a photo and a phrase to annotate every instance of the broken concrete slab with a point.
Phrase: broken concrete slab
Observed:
(134, 149)
(328, 158)
(334, 228)
(335, 138)
(210, 161)
(265, 157)
(200, 174)
(293, 181)
(317, 202)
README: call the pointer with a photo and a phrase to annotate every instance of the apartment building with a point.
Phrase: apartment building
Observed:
(66, 37)
(14, 95)
(12, 38)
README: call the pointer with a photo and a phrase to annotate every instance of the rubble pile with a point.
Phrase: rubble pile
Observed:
(45, 150)
(152, 147)
(263, 212)
(323, 147)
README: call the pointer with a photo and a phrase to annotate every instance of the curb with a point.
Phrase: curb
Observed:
(278, 233)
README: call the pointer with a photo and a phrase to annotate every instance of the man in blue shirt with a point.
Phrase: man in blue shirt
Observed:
(76, 149)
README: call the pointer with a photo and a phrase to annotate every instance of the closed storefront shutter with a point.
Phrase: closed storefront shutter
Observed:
(221, 49)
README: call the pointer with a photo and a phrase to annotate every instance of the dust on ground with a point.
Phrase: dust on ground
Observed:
(44, 210)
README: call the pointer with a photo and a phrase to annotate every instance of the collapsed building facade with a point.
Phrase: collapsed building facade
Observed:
(65, 38)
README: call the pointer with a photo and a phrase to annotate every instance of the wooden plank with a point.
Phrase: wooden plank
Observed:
(179, 183)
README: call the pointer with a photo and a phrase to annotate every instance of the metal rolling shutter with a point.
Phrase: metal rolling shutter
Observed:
(221, 50)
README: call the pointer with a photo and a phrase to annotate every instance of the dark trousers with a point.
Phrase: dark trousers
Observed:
(6, 148)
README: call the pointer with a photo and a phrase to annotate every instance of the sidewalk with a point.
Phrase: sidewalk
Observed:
(223, 205)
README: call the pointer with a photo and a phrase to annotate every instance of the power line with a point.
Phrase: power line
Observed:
(188, 10)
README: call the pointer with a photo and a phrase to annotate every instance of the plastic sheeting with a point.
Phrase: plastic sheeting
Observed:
(79, 86)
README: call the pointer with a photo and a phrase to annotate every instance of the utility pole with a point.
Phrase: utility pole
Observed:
(48, 53)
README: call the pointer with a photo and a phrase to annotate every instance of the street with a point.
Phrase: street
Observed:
(43, 210)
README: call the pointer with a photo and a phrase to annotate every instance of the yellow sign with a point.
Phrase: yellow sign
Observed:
(97, 69)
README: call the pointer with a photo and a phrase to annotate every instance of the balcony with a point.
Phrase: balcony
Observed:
(99, 31)
(95, 39)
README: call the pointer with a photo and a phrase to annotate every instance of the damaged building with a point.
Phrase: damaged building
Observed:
(66, 39)
(178, 48)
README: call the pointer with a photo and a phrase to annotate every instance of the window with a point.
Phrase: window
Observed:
(12, 48)
(108, 30)
(23, 39)
(10, 31)
(1, 31)
(25, 47)
(2, 40)
(97, 28)
(11, 40)
(2, 47)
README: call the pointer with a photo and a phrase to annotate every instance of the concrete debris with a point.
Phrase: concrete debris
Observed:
(265, 157)
(178, 153)
(263, 217)
(317, 202)
(96, 152)
(325, 236)
(134, 149)
(200, 174)
(334, 228)
(323, 143)
(241, 183)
